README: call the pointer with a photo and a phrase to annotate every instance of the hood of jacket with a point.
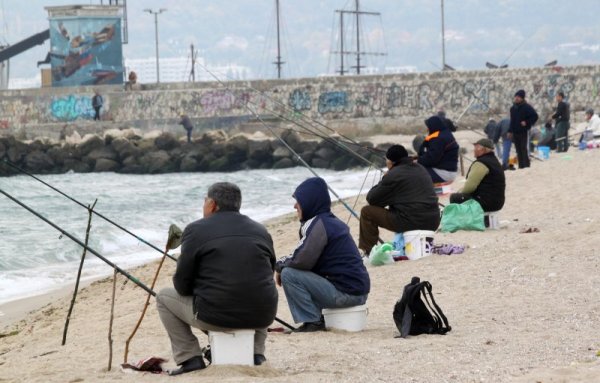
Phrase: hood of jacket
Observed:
(313, 197)
(435, 124)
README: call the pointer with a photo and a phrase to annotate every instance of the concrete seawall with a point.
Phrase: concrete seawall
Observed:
(356, 104)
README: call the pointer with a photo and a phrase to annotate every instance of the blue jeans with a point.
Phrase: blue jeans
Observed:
(506, 145)
(308, 293)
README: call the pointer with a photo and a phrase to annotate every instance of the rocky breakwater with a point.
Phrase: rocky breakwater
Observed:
(127, 151)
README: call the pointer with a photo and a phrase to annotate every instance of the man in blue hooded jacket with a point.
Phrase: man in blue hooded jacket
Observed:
(439, 152)
(325, 270)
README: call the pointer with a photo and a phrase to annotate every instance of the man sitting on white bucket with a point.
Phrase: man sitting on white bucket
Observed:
(325, 270)
(404, 200)
(223, 280)
(485, 180)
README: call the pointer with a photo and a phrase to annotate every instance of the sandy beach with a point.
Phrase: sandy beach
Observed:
(523, 307)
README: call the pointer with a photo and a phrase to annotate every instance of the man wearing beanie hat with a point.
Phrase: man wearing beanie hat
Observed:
(562, 117)
(403, 200)
(522, 118)
(485, 180)
(439, 152)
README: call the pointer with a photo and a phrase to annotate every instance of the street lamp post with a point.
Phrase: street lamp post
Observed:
(443, 39)
(156, 13)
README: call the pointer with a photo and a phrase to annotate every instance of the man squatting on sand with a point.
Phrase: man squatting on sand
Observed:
(217, 286)
(403, 200)
(485, 181)
(325, 270)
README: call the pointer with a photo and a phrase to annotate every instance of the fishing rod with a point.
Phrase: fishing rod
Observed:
(301, 160)
(13, 165)
(77, 241)
(97, 254)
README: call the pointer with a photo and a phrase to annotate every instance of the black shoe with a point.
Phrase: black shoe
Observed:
(311, 327)
(259, 359)
(192, 364)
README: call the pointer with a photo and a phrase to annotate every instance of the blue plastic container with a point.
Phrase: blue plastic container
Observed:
(544, 152)
(398, 243)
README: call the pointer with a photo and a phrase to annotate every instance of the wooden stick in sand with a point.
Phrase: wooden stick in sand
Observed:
(112, 312)
(173, 241)
(87, 236)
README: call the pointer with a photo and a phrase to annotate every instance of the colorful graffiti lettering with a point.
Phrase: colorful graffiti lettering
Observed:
(300, 100)
(332, 102)
(215, 101)
(71, 108)
(4, 124)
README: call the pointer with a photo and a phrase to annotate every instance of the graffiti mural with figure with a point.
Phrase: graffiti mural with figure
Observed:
(86, 50)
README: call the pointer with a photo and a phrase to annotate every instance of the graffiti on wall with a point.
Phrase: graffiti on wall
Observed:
(71, 108)
(86, 51)
(300, 100)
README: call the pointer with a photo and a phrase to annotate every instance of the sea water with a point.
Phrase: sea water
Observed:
(35, 258)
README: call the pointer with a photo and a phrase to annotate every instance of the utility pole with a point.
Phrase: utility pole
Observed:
(443, 40)
(278, 61)
(193, 71)
(359, 53)
(342, 71)
(156, 13)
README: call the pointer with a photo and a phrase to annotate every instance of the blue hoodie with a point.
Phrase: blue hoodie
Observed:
(439, 150)
(326, 247)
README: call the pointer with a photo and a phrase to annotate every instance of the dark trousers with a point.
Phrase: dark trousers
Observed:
(520, 141)
(97, 114)
(434, 176)
(371, 219)
(562, 136)
(189, 135)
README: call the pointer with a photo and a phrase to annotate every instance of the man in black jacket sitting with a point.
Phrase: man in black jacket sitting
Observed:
(224, 279)
(403, 200)
(439, 152)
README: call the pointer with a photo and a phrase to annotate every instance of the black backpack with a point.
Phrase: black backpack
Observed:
(414, 314)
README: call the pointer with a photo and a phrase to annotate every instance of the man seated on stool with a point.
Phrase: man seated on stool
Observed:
(485, 180)
(223, 280)
(439, 152)
(325, 270)
(403, 200)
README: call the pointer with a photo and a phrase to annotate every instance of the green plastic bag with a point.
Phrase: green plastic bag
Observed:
(381, 254)
(464, 216)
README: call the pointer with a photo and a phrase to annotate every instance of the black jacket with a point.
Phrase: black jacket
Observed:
(490, 192)
(227, 263)
(562, 113)
(439, 150)
(522, 112)
(408, 191)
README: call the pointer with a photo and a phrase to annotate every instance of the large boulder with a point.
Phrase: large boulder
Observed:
(106, 165)
(38, 161)
(88, 143)
(131, 165)
(188, 164)
(106, 152)
(76, 166)
(39, 145)
(212, 137)
(281, 152)
(157, 162)
(259, 150)
(320, 163)
(132, 134)
(166, 141)
(58, 155)
(17, 151)
(73, 139)
(326, 154)
(124, 147)
(2, 150)
(284, 163)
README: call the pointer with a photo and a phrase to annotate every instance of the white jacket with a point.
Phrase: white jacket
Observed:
(594, 125)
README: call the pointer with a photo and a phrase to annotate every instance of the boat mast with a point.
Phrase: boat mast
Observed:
(278, 61)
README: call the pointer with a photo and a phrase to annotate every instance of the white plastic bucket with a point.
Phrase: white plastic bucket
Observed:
(493, 219)
(232, 347)
(417, 243)
(349, 319)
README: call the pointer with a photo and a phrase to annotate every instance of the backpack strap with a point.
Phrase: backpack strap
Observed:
(441, 317)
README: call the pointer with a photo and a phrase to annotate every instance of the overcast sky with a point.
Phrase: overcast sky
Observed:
(243, 32)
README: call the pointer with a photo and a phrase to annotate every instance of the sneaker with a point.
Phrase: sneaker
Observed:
(259, 359)
(192, 364)
(311, 327)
